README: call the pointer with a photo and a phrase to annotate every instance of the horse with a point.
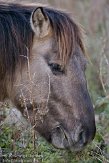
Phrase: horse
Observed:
(42, 71)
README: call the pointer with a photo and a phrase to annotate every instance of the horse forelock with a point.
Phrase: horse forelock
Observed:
(68, 34)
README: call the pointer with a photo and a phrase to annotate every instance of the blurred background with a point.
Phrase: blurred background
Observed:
(93, 15)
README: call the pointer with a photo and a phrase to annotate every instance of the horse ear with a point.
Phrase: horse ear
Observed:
(40, 22)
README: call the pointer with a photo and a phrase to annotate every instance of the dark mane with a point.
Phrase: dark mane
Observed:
(16, 35)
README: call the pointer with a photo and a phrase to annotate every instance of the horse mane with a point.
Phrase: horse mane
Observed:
(16, 35)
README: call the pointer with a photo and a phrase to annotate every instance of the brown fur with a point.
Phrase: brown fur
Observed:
(42, 64)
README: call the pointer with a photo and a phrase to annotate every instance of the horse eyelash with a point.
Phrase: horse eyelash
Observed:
(56, 68)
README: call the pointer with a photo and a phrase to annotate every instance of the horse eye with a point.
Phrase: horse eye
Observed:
(56, 68)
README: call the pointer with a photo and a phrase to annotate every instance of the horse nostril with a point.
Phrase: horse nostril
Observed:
(81, 137)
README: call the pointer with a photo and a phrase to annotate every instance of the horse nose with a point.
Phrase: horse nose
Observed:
(81, 136)
(74, 140)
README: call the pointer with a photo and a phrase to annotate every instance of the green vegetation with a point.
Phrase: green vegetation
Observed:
(18, 147)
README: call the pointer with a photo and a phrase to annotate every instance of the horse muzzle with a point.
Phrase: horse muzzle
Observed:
(73, 140)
